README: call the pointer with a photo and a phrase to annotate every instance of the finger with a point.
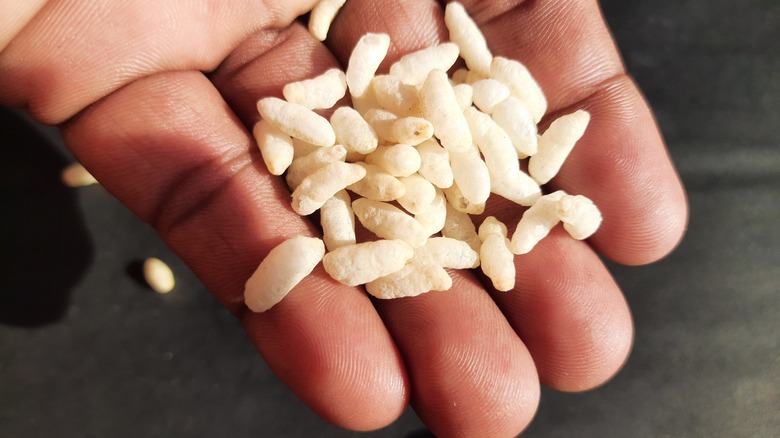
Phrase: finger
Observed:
(621, 162)
(470, 373)
(260, 67)
(412, 25)
(569, 311)
(169, 147)
(570, 314)
(15, 16)
(264, 63)
(72, 54)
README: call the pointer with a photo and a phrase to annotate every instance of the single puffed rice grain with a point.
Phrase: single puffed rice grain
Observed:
(297, 121)
(536, 223)
(158, 275)
(471, 175)
(322, 16)
(494, 144)
(321, 185)
(398, 160)
(440, 107)
(389, 222)
(304, 166)
(487, 93)
(522, 189)
(410, 130)
(447, 253)
(514, 117)
(555, 145)
(352, 131)
(75, 175)
(276, 147)
(491, 226)
(320, 92)
(465, 33)
(419, 195)
(412, 280)
(497, 261)
(413, 68)
(364, 61)
(338, 221)
(365, 262)
(281, 270)
(580, 216)
(435, 163)
(393, 129)
(456, 198)
(521, 84)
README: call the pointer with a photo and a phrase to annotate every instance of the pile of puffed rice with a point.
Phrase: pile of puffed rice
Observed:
(417, 154)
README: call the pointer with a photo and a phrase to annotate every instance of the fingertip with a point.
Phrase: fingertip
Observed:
(477, 393)
(655, 235)
(622, 164)
(372, 399)
(470, 373)
(570, 313)
(596, 359)
(326, 343)
(411, 26)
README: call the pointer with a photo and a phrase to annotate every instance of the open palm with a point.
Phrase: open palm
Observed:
(156, 99)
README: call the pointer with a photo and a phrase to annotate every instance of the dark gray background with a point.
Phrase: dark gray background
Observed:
(87, 350)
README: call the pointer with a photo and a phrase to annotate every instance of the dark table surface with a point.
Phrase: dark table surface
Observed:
(90, 351)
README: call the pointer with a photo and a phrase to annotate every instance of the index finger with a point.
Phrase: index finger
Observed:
(170, 147)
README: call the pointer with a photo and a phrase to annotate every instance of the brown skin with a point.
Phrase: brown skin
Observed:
(125, 83)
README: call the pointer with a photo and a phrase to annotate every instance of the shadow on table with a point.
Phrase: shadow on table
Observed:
(44, 245)
(420, 433)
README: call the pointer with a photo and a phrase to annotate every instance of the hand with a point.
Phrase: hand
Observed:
(125, 82)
